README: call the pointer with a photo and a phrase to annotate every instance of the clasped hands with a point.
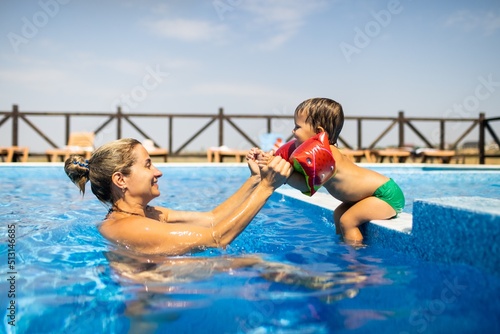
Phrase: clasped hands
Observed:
(272, 170)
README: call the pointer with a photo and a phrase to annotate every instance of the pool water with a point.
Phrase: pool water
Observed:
(286, 273)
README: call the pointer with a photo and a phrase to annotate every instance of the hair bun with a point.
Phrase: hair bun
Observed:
(77, 169)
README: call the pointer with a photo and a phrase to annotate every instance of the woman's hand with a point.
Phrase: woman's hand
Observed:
(276, 172)
(252, 160)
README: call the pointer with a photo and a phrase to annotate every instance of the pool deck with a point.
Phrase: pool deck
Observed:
(462, 230)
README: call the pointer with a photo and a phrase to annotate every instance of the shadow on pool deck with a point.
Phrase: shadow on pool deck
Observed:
(450, 229)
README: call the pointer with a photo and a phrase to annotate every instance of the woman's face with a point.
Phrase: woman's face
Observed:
(143, 179)
(302, 131)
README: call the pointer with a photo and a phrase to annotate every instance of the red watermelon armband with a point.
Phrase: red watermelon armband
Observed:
(314, 159)
(285, 151)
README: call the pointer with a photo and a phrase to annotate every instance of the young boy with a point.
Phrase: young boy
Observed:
(365, 194)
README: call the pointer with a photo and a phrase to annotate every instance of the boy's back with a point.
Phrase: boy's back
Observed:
(352, 183)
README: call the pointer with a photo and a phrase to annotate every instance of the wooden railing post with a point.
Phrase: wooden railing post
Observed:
(401, 123)
(118, 122)
(441, 134)
(67, 128)
(170, 133)
(482, 125)
(360, 139)
(221, 126)
(15, 125)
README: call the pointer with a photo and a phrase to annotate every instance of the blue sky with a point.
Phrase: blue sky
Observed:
(428, 58)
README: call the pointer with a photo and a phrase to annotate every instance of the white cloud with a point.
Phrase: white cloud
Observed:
(33, 77)
(52, 82)
(276, 20)
(491, 22)
(488, 22)
(187, 30)
(281, 11)
(281, 19)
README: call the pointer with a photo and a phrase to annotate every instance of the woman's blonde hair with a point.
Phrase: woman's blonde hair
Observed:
(116, 156)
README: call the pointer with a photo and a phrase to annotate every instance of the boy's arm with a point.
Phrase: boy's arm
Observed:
(298, 181)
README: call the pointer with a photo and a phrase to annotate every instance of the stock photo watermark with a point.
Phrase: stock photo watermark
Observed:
(11, 276)
(371, 30)
(486, 87)
(483, 91)
(264, 309)
(421, 318)
(224, 6)
(31, 26)
(151, 80)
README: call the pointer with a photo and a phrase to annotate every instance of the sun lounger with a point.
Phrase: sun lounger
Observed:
(217, 154)
(81, 143)
(155, 151)
(393, 154)
(444, 156)
(14, 153)
(357, 155)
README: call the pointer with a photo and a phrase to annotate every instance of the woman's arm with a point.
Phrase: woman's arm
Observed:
(226, 208)
(241, 206)
(154, 237)
(236, 200)
(229, 206)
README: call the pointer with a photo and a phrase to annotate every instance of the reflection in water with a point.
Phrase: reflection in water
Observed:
(161, 288)
(147, 269)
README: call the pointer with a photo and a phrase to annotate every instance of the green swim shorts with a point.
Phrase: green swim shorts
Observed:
(392, 194)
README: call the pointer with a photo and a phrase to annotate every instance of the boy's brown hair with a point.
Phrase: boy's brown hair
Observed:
(325, 113)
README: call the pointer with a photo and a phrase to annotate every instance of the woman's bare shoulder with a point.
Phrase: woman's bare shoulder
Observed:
(142, 234)
(130, 227)
(158, 213)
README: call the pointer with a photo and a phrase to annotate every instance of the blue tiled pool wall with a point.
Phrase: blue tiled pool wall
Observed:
(450, 230)
(460, 229)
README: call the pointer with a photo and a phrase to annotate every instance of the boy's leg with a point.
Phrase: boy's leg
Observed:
(370, 208)
(339, 211)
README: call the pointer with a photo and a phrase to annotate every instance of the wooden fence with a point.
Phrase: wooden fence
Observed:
(486, 126)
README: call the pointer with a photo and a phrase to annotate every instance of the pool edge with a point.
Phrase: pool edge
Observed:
(436, 231)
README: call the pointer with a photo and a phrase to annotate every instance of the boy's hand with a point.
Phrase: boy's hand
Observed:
(264, 158)
(258, 159)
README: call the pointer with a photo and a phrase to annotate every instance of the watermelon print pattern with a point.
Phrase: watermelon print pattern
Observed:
(313, 158)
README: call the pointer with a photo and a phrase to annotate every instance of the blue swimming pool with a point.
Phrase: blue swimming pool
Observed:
(67, 279)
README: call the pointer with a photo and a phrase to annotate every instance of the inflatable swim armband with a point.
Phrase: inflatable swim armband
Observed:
(313, 158)
(285, 151)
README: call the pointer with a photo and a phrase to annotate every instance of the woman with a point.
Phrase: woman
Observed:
(122, 175)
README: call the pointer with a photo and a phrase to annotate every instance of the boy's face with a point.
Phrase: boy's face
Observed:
(302, 130)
